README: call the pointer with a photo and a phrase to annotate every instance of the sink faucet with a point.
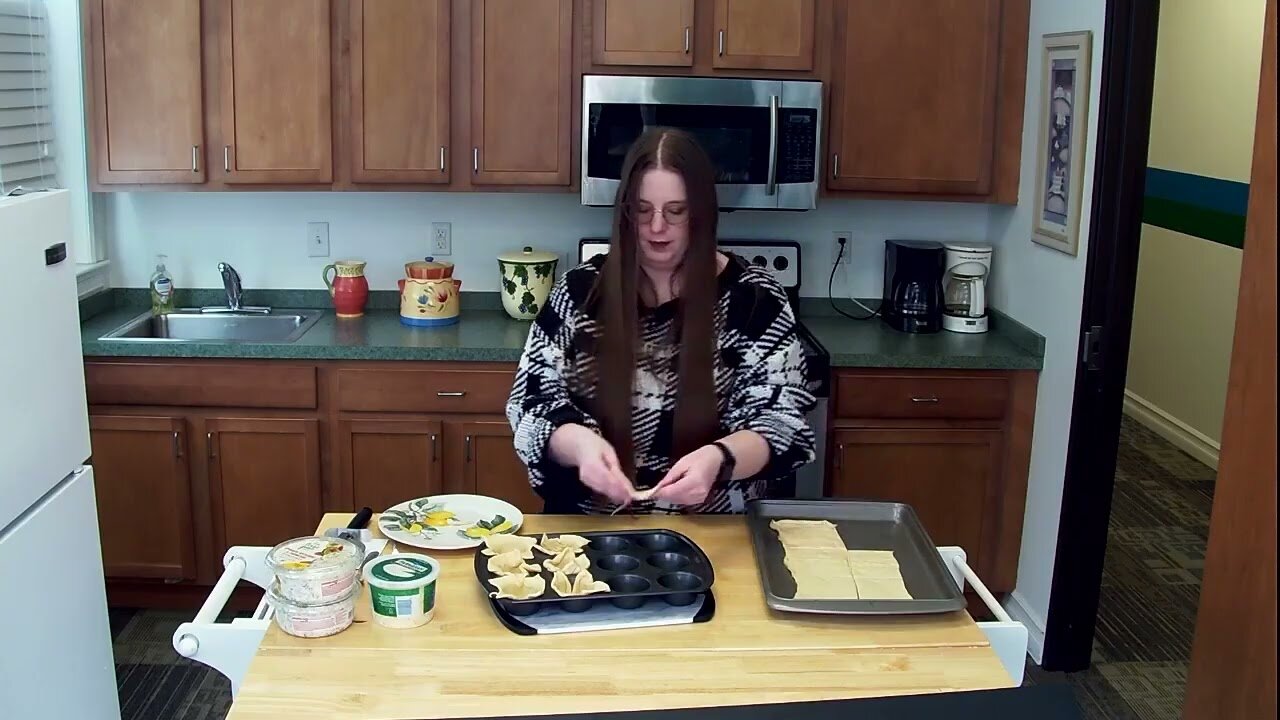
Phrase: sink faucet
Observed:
(231, 283)
(235, 291)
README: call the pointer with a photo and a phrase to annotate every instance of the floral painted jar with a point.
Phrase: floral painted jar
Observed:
(527, 277)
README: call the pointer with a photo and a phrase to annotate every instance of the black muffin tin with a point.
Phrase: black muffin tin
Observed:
(637, 564)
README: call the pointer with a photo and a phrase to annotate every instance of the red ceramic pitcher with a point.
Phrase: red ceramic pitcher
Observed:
(348, 287)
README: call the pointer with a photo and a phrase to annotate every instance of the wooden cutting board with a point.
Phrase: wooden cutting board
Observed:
(465, 664)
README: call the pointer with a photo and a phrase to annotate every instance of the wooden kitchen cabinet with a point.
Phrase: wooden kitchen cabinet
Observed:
(491, 466)
(264, 479)
(274, 91)
(521, 92)
(927, 97)
(642, 32)
(147, 112)
(764, 34)
(400, 91)
(944, 474)
(390, 460)
(143, 486)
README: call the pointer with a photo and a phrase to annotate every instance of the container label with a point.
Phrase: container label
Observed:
(401, 569)
(401, 603)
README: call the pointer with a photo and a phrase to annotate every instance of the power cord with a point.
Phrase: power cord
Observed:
(831, 282)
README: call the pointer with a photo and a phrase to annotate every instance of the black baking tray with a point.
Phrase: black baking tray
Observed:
(863, 525)
(637, 564)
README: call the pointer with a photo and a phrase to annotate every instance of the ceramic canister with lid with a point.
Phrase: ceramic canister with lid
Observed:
(527, 277)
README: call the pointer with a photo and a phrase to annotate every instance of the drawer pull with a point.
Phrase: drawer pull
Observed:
(455, 393)
(931, 400)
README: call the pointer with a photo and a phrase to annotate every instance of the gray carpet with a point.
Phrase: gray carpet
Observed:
(1150, 589)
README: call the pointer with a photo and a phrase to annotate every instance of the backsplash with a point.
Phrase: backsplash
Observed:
(263, 234)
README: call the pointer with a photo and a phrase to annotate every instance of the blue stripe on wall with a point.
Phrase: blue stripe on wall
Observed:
(1224, 196)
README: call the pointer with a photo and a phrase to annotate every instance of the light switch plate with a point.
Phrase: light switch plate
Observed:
(317, 239)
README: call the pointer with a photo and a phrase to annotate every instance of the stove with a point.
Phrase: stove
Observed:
(782, 258)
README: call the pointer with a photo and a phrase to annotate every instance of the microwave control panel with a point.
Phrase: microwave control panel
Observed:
(797, 145)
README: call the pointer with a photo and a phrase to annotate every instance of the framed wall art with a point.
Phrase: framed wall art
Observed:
(1064, 119)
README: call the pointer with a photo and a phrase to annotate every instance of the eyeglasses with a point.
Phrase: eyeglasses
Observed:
(674, 213)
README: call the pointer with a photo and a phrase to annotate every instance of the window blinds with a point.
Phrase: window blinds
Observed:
(26, 120)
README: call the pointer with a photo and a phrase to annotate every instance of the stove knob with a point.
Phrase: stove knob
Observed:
(759, 261)
(780, 263)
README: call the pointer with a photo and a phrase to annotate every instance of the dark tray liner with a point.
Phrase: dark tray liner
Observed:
(516, 625)
(693, 576)
(863, 525)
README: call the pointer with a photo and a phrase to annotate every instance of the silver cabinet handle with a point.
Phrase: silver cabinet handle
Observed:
(931, 400)
(195, 158)
(226, 158)
(441, 158)
(177, 445)
(208, 437)
(475, 159)
(835, 166)
(451, 393)
(688, 42)
(771, 180)
(722, 43)
(434, 454)
(467, 442)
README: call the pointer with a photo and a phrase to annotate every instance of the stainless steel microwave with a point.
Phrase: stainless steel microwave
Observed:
(762, 135)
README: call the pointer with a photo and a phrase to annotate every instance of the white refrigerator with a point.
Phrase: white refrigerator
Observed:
(55, 642)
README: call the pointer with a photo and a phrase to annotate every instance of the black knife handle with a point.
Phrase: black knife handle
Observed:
(361, 520)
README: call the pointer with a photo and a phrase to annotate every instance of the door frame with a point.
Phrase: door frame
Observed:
(1111, 274)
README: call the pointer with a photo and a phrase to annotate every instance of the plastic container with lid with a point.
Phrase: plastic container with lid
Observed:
(402, 589)
(312, 570)
(313, 620)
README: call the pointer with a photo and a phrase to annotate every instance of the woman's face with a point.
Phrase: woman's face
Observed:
(661, 216)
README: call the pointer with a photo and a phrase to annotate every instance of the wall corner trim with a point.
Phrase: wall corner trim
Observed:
(1183, 436)
(1016, 606)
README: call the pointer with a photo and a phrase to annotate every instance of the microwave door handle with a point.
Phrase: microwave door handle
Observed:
(771, 187)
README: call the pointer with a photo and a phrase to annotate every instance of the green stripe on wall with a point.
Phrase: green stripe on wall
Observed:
(1199, 222)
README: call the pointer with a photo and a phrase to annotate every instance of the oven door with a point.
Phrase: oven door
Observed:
(761, 134)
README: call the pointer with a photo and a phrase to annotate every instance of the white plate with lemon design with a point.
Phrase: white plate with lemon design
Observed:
(449, 522)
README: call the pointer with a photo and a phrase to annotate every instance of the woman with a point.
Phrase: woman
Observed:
(664, 375)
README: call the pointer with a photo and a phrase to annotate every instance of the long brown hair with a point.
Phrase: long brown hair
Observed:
(621, 283)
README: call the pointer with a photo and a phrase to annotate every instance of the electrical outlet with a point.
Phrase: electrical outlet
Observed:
(836, 237)
(441, 239)
(317, 239)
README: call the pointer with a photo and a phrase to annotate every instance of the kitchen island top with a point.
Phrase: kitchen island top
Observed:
(487, 334)
(466, 664)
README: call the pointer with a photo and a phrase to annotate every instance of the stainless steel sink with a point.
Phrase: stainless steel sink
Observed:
(230, 327)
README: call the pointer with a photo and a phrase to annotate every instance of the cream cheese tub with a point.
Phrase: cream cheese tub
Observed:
(402, 589)
(313, 570)
(328, 617)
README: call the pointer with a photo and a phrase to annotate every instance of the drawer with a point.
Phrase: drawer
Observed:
(920, 396)
(268, 384)
(424, 390)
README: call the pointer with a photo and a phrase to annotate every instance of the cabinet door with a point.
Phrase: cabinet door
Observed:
(492, 467)
(642, 32)
(949, 477)
(148, 108)
(390, 461)
(264, 476)
(521, 92)
(914, 95)
(764, 34)
(144, 496)
(400, 90)
(274, 78)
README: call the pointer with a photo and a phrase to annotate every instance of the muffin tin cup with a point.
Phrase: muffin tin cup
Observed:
(638, 566)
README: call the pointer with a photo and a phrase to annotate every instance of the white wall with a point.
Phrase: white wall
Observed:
(263, 234)
(1043, 289)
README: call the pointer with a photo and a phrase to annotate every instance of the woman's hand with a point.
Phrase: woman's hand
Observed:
(596, 460)
(689, 481)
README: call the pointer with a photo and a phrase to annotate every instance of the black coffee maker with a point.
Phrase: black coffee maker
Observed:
(913, 285)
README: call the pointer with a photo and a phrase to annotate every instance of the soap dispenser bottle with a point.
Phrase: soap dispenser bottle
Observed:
(162, 290)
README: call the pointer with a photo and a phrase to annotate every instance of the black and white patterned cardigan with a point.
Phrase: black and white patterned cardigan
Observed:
(759, 375)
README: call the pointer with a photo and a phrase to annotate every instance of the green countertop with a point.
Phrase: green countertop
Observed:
(486, 333)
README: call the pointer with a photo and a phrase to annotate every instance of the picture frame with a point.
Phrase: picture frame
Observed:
(1063, 134)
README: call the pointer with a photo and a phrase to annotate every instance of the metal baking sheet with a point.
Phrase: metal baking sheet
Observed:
(862, 526)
